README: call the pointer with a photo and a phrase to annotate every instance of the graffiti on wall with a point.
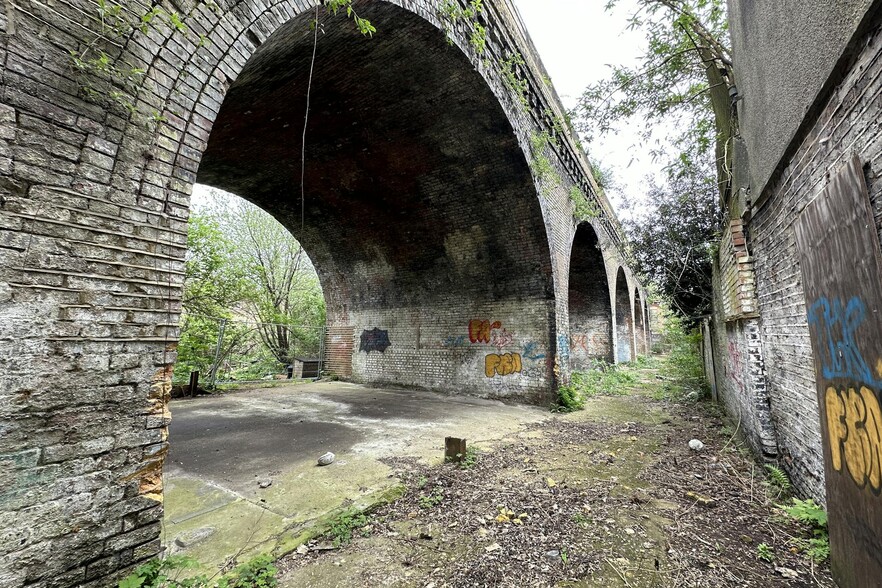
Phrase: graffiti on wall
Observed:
(532, 351)
(502, 364)
(454, 342)
(501, 338)
(854, 424)
(854, 418)
(563, 347)
(374, 340)
(579, 342)
(835, 329)
(480, 330)
(735, 368)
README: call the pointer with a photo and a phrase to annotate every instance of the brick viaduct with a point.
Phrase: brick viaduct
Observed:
(439, 214)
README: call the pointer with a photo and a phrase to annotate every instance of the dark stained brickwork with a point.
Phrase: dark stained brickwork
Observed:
(433, 241)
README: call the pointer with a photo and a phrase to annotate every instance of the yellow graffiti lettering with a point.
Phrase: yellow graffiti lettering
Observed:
(854, 426)
(504, 365)
(479, 330)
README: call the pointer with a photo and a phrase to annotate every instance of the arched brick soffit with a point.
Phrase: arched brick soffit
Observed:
(624, 317)
(406, 141)
(590, 308)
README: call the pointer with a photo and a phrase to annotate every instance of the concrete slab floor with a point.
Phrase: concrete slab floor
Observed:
(223, 447)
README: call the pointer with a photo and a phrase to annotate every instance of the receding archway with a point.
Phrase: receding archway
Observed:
(420, 212)
(639, 324)
(624, 321)
(590, 311)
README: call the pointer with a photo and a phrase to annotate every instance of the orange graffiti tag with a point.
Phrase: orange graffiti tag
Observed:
(854, 424)
(479, 331)
(504, 365)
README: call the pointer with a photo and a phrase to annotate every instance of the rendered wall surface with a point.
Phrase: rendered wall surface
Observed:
(784, 52)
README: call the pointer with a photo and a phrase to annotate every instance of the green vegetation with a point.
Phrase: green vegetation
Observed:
(343, 526)
(451, 12)
(431, 499)
(683, 368)
(165, 573)
(603, 380)
(682, 81)
(814, 518)
(247, 275)
(765, 552)
(508, 67)
(363, 25)
(778, 480)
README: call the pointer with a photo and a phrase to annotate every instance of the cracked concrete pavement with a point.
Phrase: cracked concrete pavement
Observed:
(224, 446)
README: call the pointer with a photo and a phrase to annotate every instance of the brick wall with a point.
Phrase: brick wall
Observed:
(93, 208)
(590, 307)
(624, 317)
(846, 125)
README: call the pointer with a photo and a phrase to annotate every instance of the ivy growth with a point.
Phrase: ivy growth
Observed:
(363, 25)
(542, 168)
(451, 12)
(583, 208)
(519, 86)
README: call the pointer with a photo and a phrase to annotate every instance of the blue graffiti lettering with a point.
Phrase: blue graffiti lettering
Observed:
(531, 351)
(459, 341)
(563, 346)
(834, 329)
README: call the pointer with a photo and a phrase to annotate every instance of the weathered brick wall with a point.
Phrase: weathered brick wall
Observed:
(93, 208)
(739, 374)
(846, 125)
(624, 318)
(590, 306)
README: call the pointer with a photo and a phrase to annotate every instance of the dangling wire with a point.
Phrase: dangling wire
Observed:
(315, 24)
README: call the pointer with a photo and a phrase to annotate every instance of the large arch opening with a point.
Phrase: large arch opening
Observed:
(624, 322)
(421, 219)
(590, 311)
(420, 211)
(639, 324)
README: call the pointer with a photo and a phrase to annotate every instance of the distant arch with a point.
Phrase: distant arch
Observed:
(640, 332)
(590, 310)
(624, 319)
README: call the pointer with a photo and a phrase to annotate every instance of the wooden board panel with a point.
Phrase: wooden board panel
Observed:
(842, 275)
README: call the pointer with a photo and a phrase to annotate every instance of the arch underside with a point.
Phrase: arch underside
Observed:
(420, 211)
(590, 311)
(624, 322)
(640, 324)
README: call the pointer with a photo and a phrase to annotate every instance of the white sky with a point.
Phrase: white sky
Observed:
(577, 40)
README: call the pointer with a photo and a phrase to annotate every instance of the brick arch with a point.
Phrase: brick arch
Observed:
(640, 329)
(95, 205)
(421, 212)
(590, 311)
(624, 318)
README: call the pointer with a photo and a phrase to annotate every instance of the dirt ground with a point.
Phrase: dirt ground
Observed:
(608, 496)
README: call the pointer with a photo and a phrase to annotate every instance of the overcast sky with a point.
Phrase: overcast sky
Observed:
(577, 40)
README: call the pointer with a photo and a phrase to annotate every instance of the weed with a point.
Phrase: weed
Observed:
(260, 572)
(564, 556)
(765, 552)
(343, 525)
(778, 479)
(509, 69)
(569, 397)
(421, 482)
(581, 520)
(469, 459)
(814, 517)
(431, 499)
